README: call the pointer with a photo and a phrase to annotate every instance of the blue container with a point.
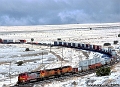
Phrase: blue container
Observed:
(87, 45)
(83, 46)
(69, 44)
(55, 43)
(64, 44)
(5, 41)
(73, 45)
(60, 43)
(91, 47)
(79, 46)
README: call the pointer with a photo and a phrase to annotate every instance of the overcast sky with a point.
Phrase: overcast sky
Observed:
(39, 12)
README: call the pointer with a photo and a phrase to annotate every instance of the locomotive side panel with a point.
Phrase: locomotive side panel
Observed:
(66, 69)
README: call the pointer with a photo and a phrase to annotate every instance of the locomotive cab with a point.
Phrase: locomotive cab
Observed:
(22, 78)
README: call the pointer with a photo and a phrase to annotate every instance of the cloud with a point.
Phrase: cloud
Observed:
(37, 12)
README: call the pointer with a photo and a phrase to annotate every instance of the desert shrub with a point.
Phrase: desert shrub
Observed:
(107, 44)
(74, 83)
(32, 39)
(118, 35)
(19, 63)
(115, 42)
(103, 71)
(58, 38)
(27, 49)
(90, 28)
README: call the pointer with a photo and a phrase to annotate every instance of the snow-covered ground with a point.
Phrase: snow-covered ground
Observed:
(40, 57)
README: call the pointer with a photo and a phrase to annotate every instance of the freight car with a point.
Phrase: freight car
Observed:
(94, 66)
(11, 41)
(90, 64)
(44, 74)
(96, 48)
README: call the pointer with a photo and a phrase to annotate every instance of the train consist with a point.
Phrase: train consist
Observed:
(84, 65)
(97, 48)
(94, 62)
(44, 74)
(41, 75)
(11, 41)
(87, 64)
(108, 57)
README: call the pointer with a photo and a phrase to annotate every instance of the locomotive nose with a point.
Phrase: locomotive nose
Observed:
(22, 78)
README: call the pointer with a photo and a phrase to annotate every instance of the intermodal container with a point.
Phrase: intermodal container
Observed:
(98, 65)
(22, 41)
(84, 68)
(60, 43)
(91, 47)
(91, 61)
(114, 54)
(17, 41)
(92, 66)
(76, 45)
(55, 43)
(69, 44)
(0, 40)
(79, 45)
(10, 41)
(73, 45)
(5, 41)
(102, 61)
(83, 46)
(97, 60)
(79, 69)
(95, 47)
(109, 49)
(87, 46)
(83, 63)
(98, 48)
(64, 44)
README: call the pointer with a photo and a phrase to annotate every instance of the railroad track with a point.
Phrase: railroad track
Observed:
(62, 78)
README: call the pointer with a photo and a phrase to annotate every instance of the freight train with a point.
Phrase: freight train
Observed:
(109, 54)
(41, 75)
(96, 48)
(84, 65)
(56, 72)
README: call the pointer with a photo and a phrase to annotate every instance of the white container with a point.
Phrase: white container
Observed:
(91, 61)
(17, 41)
(97, 60)
(79, 69)
(114, 54)
(107, 60)
(83, 63)
(76, 44)
(84, 68)
(10, 41)
(102, 61)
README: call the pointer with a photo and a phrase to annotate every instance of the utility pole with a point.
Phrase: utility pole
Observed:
(42, 57)
(71, 55)
(32, 39)
(42, 61)
(9, 71)
(50, 46)
(62, 57)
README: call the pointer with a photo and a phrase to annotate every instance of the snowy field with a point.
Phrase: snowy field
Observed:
(40, 57)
